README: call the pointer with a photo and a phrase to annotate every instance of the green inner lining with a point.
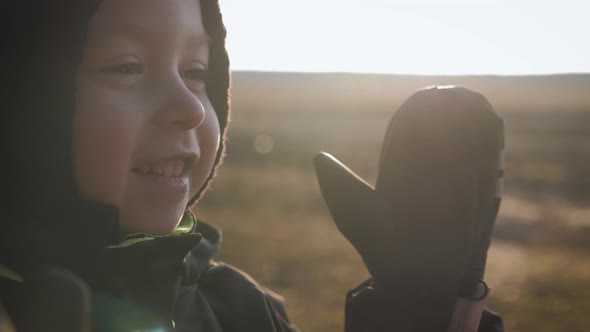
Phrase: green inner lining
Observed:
(6, 272)
(186, 225)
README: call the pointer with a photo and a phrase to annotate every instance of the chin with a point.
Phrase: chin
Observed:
(152, 222)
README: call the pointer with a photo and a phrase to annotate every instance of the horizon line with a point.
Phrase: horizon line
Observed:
(312, 72)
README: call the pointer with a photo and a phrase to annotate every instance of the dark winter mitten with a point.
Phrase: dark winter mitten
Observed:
(424, 230)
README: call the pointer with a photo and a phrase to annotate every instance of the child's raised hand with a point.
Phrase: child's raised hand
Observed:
(424, 230)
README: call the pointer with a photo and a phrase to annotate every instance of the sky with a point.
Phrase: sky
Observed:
(448, 37)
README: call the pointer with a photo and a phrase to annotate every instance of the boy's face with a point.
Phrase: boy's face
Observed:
(145, 133)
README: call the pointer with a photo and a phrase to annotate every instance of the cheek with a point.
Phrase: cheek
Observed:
(103, 140)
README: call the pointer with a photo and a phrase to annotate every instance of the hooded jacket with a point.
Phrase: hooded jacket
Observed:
(138, 283)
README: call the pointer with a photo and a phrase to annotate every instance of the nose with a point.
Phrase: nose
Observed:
(182, 109)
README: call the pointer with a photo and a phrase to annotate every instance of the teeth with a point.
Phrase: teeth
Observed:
(179, 167)
(169, 168)
(144, 169)
(165, 168)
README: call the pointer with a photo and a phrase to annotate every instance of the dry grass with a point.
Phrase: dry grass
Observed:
(277, 228)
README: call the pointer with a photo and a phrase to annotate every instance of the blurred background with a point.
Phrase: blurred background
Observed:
(314, 76)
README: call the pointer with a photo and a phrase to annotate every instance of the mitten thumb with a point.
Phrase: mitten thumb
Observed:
(353, 204)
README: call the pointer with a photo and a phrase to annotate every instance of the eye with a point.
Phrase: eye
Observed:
(124, 69)
(196, 76)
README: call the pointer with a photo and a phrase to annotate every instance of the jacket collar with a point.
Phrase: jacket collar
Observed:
(143, 269)
(141, 258)
(149, 270)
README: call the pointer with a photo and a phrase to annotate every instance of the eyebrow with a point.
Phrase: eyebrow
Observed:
(135, 30)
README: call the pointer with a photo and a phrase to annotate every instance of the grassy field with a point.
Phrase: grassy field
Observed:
(277, 228)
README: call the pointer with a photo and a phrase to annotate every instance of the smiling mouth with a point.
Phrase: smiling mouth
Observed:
(171, 168)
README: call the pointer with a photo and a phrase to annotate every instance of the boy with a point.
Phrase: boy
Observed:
(115, 125)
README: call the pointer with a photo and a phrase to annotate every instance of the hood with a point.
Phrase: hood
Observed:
(45, 221)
